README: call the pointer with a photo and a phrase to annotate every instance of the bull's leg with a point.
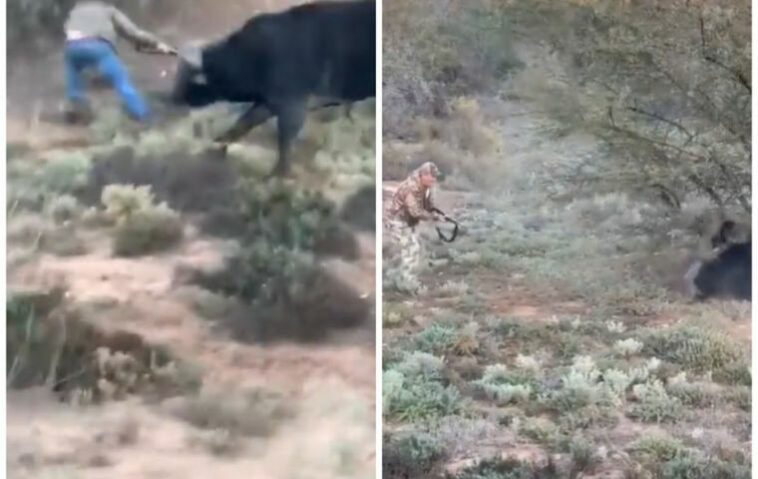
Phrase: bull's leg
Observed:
(254, 116)
(290, 119)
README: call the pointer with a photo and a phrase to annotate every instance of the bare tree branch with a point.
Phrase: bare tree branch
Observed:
(736, 74)
(661, 118)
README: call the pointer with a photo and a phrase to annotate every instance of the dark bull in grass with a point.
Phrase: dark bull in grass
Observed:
(277, 62)
(728, 275)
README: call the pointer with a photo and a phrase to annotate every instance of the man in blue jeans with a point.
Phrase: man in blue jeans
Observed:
(92, 29)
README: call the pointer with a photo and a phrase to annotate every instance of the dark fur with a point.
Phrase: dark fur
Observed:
(724, 234)
(277, 61)
(729, 274)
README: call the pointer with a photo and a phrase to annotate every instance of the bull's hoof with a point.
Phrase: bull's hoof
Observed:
(278, 172)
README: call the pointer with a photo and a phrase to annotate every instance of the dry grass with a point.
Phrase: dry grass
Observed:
(254, 413)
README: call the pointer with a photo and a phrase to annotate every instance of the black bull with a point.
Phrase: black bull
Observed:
(728, 275)
(278, 61)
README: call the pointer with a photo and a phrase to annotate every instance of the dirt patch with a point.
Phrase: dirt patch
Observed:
(131, 440)
(508, 297)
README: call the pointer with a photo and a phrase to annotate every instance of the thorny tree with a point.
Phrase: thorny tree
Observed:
(669, 88)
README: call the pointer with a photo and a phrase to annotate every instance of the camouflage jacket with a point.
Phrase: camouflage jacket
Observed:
(411, 202)
(99, 20)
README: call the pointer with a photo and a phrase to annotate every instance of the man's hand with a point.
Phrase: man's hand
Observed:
(166, 49)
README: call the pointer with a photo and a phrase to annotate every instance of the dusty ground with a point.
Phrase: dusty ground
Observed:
(332, 383)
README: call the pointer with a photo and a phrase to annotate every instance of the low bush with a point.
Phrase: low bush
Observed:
(415, 391)
(253, 413)
(148, 231)
(655, 404)
(695, 348)
(411, 455)
(278, 272)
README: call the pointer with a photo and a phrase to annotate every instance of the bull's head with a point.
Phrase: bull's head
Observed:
(191, 85)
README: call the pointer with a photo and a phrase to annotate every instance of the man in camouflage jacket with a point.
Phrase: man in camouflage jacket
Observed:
(92, 29)
(411, 203)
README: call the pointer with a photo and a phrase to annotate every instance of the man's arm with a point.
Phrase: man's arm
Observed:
(431, 202)
(131, 32)
(416, 210)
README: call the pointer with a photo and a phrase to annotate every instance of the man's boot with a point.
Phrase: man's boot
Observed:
(77, 113)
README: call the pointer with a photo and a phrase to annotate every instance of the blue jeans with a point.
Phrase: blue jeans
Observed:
(99, 54)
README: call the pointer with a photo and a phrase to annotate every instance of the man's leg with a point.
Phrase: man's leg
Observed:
(393, 266)
(411, 257)
(403, 237)
(113, 70)
(76, 108)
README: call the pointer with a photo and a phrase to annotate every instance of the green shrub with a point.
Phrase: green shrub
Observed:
(692, 466)
(737, 373)
(695, 394)
(419, 446)
(741, 397)
(63, 208)
(290, 217)
(414, 454)
(509, 469)
(502, 386)
(540, 429)
(146, 231)
(582, 387)
(424, 400)
(657, 448)
(627, 347)
(67, 174)
(29, 345)
(122, 201)
(419, 364)
(587, 417)
(435, 339)
(415, 391)
(278, 272)
(695, 348)
(655, 404)
(49, 343)
(583, 454)
(392, 386)
(292, 294)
